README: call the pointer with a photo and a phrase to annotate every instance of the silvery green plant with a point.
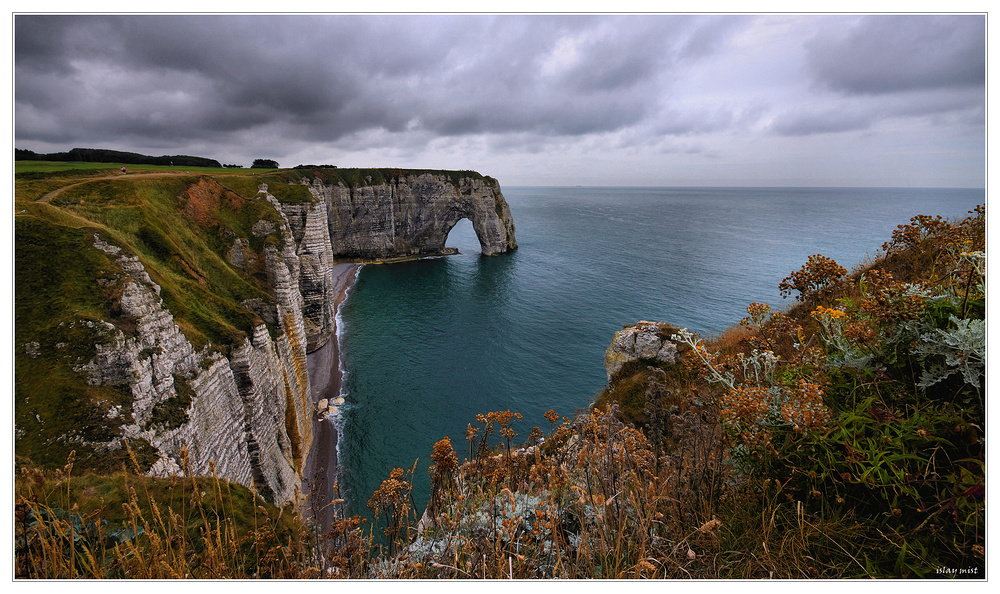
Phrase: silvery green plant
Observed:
(962, 347)
(759, 365)
(977, 263)
(689, 338)
(841, 350)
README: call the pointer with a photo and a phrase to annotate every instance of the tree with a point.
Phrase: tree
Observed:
(264, 164)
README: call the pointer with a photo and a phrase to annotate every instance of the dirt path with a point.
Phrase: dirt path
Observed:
(48, 197)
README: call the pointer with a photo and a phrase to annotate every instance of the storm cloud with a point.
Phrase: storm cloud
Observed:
(571, 99)
(887, 54)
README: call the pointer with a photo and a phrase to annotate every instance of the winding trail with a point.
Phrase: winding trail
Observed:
(48, 197)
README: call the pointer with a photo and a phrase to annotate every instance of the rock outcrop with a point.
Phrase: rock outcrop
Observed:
(649, 341)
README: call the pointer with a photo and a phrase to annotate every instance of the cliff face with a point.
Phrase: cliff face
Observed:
(411, 215)
(248, 414)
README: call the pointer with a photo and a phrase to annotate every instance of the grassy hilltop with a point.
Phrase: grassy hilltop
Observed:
(841, 438)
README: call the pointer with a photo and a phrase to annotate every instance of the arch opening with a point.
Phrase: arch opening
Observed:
(462, 237)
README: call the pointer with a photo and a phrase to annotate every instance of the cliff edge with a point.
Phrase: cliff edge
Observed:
(167, 321)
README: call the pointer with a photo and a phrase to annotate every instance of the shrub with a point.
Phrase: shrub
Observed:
(814, 279)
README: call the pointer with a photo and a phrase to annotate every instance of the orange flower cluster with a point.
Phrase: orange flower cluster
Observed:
(828, 312)
(349, 544)
(758, 314)
(921, 227)
(504, 418)
(860, 332)
(804, 409)
(444, 457)
(392, 494)
(445, 464)
(745, 404)
(546, 523)
(744, 409)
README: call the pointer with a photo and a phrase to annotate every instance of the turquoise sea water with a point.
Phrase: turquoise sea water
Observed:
(427, 345)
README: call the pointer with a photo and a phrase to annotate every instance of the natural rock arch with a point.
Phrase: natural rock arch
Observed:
(490, 217)
(485, 235)
(411, 215)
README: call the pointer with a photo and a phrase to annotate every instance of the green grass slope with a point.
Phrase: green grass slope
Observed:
(180, 226)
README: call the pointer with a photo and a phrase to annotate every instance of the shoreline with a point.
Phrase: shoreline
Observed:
(321, 469)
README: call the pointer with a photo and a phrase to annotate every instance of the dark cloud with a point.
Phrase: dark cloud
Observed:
(881, 68)
(43, 43)
(506, 85)
(240, 72)
(804, 122)
(886, 54)
(343, 74)
(549, 76)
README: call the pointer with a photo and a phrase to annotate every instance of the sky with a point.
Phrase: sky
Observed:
(560, 99)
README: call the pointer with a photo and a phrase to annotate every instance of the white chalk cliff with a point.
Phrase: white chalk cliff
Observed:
(249, 413)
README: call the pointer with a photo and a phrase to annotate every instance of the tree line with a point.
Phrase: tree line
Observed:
(110, 156)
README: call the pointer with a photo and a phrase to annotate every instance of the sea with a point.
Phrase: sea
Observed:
(427, 345)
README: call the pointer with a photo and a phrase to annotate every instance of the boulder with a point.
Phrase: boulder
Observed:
(648, 341)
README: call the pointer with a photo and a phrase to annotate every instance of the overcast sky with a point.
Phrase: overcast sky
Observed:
(672, 100)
